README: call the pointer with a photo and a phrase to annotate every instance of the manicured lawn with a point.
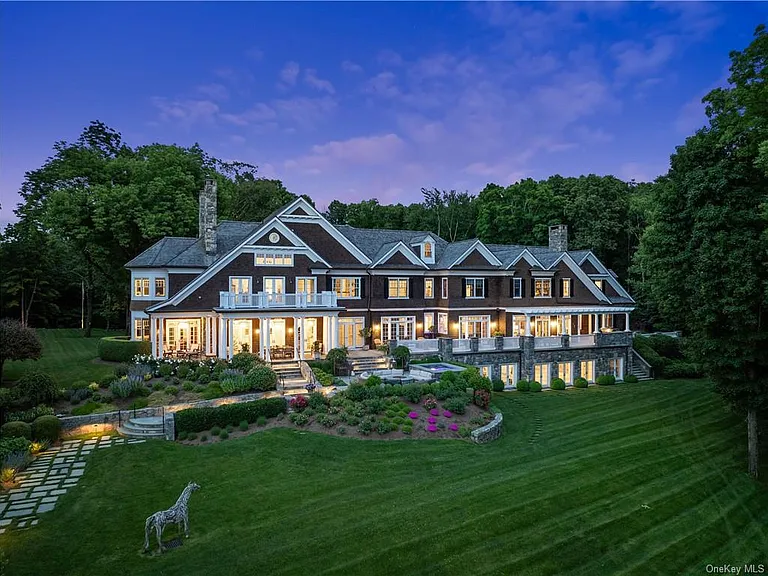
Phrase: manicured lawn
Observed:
(67, 356)
(563, 492)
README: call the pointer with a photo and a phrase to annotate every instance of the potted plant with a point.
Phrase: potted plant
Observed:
(498, 332)
(316, 348)
(365, 333)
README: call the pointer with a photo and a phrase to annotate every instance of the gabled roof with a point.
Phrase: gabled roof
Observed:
(162, 252)
(371, 241)
(390, 249)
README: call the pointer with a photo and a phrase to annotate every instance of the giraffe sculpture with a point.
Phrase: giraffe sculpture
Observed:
(176, 514)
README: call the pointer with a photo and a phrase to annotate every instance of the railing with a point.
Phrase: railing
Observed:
(644, 362)
(511, 343)
(306, 371)
(582, 340)
(420, 345)
(547, 342)
(461, 345)
(270, 300)
(486, 344)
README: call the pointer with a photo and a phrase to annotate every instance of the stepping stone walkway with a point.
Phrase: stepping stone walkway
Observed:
(47, 478)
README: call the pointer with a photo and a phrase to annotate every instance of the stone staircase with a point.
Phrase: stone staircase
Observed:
(289, 374)
(144, 428)
(368, 363)
(640, 367)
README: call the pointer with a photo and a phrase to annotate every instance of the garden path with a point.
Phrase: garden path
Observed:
(47, 478)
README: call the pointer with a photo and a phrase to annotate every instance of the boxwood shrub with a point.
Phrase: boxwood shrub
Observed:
(606, 380)
(498, 385)
(523, 385)
(200, 419)
(557, 384)
(630, 379)
(580, 382)
(46, 428)
(535, 386)
(16, 430)
(262, 378)
(121, 348)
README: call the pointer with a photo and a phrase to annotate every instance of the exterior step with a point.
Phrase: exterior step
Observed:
(143, 428)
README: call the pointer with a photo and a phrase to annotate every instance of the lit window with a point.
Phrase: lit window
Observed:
(600, 285)
(541, 374)
(615, 368)
(267, 259)
(542, 288)
(141, 287)
(429, 322)
(398, 288)
(565, 372)
(474, 288)
(141, 328)
(588, 370)
(566, 287)
(240, 284)
(427, 250)
(429, 287)
(347, 287)
(442, 323)
(160, 287)
(444, 290)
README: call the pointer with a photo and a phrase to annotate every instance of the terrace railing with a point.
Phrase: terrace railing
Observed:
(231, 300)
(544, 342)
(461, 345)
(486, 344)
(582, 340)
(420, 346)
(511, 343)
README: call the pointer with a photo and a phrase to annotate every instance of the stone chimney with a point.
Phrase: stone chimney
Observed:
(558, 238)
(208, 215)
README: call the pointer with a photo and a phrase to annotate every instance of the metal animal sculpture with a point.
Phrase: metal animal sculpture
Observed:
(176, 514)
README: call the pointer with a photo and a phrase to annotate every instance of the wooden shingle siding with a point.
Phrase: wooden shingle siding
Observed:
(324, 244)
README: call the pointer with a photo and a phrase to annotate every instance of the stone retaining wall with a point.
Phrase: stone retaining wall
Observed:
(489, 432)
(109, 421)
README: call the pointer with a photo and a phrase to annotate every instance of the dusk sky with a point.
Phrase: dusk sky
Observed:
(362, 100)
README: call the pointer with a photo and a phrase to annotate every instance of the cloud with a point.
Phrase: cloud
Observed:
(640, 59)
(213, 91)
(311, 79)
(290, 73)
(305, 111)
(341, 154)
(186, 112)
(349, 66)
(258, 113)
(691, 116)
(383, 85)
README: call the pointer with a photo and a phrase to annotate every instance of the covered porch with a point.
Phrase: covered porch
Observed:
(550, 322)
(273, 336)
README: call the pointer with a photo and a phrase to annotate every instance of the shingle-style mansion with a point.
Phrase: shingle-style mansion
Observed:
(295, 284)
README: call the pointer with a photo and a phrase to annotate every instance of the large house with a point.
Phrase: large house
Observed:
(295, 284)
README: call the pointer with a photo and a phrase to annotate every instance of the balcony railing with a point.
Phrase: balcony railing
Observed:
(230, 300)
(543, 342)
(484, 344)
(582, 340)
(461, 345)
(419, 346)
(511, 343)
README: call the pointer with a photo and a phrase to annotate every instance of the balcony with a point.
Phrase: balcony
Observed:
(266, 300)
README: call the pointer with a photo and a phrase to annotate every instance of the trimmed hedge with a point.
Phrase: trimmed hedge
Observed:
(580, 382)
(16, 430)
(46, 428)
(535, 386)
(630, 379)
(523, 385)
(121, 348)
(201, 419)
(606, 380)
(557, 384)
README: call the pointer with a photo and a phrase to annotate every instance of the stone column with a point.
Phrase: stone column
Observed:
(474, 344)
(526, 357)
(499, 344)
(445, 346)
(565, 340)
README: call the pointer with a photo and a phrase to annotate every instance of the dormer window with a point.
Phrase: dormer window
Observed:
(428, 251)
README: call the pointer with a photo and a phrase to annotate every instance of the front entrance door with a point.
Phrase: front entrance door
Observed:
(277, 332)
(241, 336)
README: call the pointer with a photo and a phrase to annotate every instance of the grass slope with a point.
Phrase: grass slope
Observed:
(66, 356)
(561, 493)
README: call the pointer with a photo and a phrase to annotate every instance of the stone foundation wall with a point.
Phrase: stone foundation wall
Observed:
(489, 432)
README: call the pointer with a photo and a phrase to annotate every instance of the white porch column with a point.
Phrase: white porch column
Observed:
(626, 321)
(221, 351)
(152, 336)
(527, 324)
(597, 323)
(562, 325)
(160, 331)
(334, 331)
(303, 338)
(230, 338)
(266, 338)
(296, 336)
(326, 333)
